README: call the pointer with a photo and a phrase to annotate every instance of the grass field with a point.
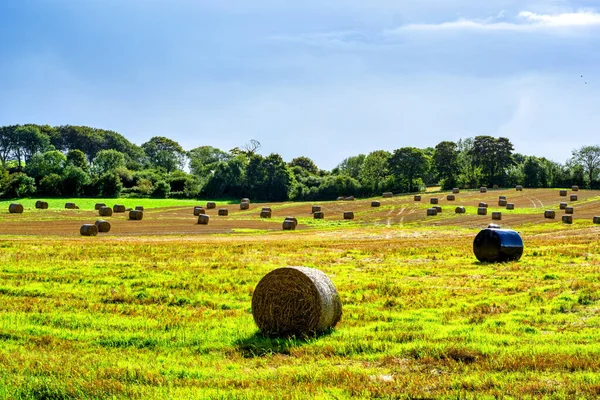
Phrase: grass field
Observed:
(160, 308)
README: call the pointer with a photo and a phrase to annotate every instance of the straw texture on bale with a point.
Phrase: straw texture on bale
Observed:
(210, 205)
(563, 193)
(498, 245)
(567, 219)
(139, 208)
(348, 215)
(15, 208)
(223, 212)
(289, 225)
(563, 205)
(417, 198)
(245, 200)
(510, 206)
(136, 215)
(519, 188)
(387, 195)
(265, 214)
(502, 203)
(70, 206)
(460, 210)
(569, 210)
(244, 206)
(551, 214)
(98, 205)
(573, 197)
(88, 230)
(315, 209)
(433, 201)
(198, 211)
(596, 220)
(105, 212)
(375, 204)
(431, 212)
(319, 215)
(103, 226)
(349, 198)
(119, 208)
(497, 215)
(451, 197)
(482, 211)
(295, 301)
(203, 219)
(456, 190)
(575, 188)
(293, 219)
(483, 205)
(483, 190)
(42, 205)
(438, 209)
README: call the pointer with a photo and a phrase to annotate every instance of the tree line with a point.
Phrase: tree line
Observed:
(79, 161)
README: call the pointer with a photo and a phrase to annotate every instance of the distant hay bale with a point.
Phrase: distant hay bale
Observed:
(575, 188)
(128, 209)
(70, 206)
(596, 220)
(315, 209)
(456, 190)
(501, 197)
(431, 212)
(510, 206)
(289, 225)
(563, 205)
(265, 213)
(483, 189)
(267, 209)
(550, 214)
(451, 197)
(105, 211)
(438, 209)
(319, 215)
(349, 198)
(482, 211)
(103, 226)
(569, 210)
(519, 188)
(223, 212)
(387, 195)
(460, 210)
(198, 210)
(88, 230)
(482, 204)
(417, 198)
(245, 200)
(15, 208)
(139, 208)
(244, 206)
(119, 208)
(295, 301)
(498, 245)
(136, 215)
(210, 205)
(494, 226)
(42, 205)
(495, 187)
(567, 219)
(293, 219)
(203, 219)
(573, 197)
(340, 198)
(375, 204)
(563, 193)
(497, 215)
(433, 201)
(98, 205)
(502, 203)
(348, 215)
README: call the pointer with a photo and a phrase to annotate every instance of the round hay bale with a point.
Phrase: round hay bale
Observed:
(484, 205)
(497, 215)
(567, 219)
(88, 230)
(15, 208)
(210, 205)
(319, 215)
(340, 198)
(98, 205)
(265, 214)
(119, 208)
(139, 208)
(433, 201)
(203, 219)
(494, 226)
(519, 188)
(375, 204)
(267, 209)
(482, 211)
(223, 212)
(563, 193)
(550, 214)
(431, 212)
(596, 220)
(573, 197)
(569, 210)
(498, 245)
(244, 206)
(348, 215)
(289, 225)
(105, 212)
(293, 219)
(417, 198)
(502, 203)
(296, 301)
(482, 189)
(103, 226)
(349, 198)
(128, 209)
(563, 205)
(70, 206)
(387, 195)
(456, 190)
(575, 188)
(136, 215)
(501, 197)
(510, 206)
(438, 209)
(315, 209)
(495, 187)
(451, 197)
(42, 205)
(245, 200)
(198, 210)
(460, 210)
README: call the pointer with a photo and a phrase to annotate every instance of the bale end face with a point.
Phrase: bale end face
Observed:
(596, 220)
(265, 214)
(135, 215)
(502, 203)
(563, 193)
(349, 198)
(456, 190)
(288, 225)
(483, 190)
(105, 212)
(244, 206)
(340, 198)
(495, 187)
(88, 230)
(519, 188)
(203, 219)
(97, 206)
(569, 210)
(119, 208)
(295, 301)
(315, 209)
(348, 215)
(245, 200)
(575, 188)
(563, 205)
(15, 208)
(103, 226)
(573, 197)
(438, 209)
(70, 206)
(198, 211)
(41, 205)
(483, 205)
(387, 195)
(139, 208)
(498, 245)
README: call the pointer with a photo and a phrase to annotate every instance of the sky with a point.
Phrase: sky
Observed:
(327, 79)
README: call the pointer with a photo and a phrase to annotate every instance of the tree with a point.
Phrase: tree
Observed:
(374, 171)
(107, 161)
(74, 181)
(28, 141)
(77, 158)
(409, 163)
(588, 157)
(352, 166)
(532, 172)
(50, 185)
(445, 163)
(7, 143)
(20, 185)
(164, 153)
(279, 178)
(493, 156)
(42, 164)
(204, 158)
(305, 163)
(109, 184)
(228, 179)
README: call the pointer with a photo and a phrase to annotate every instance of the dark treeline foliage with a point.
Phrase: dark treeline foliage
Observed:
(71, 161)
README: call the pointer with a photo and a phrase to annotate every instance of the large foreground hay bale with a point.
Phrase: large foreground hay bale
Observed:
(456, 190)
(550, 214)
(510, 206)
(289, 225)
(105, 212)
(460, 210)
(70, 206)
(375, 204)
(483, 189)
(451, 197)
(319, 215)
(567, 219)
(295, 301)
(203, 219)
(497, 215)
(315, 209)
(387, 195)
(563, 205)
(417, 198)
(42, 205)
(88, 230)
(563, 193)
(198, 210)
(433, 201)
(119, 208)
(223, 212)
(573, 197)
(519, 188)
(431, 212)
(265, 213)
(596, 220)
(136, 215)
(98, 205)
(498, 245)
(575, 188)
(15, 208)
(569, 210)
(482, 211)
(103, 226)
(348, 215)
(210, 205)
(244, 206)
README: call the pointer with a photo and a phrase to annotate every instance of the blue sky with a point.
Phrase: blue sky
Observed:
(327, 79)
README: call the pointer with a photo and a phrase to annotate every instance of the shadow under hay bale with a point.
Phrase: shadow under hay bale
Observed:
(417, 198)
(210, 205)
(70, 206)
(103, 226)
(119, 208)
(510, 206)
(433, 201)
(563, 193)
(460, 210)
(319, 215)
(223, 212)
(244, 206)
(519, 188)
(198, 211)
(481, 211)
(203, 219)
(315, 209)
(136, 215)
(550, 214)
(295, 301)
(567, 219)
(498, 245)
(348, 215)
(15, 208)
(387, 195)
(451, 197)
(88, 230)
(569, 210)
(265, 213)
(496, 215)
(563, 205)
(375, 204)
(431, 212)
(259, 345)
(105, 212)
(41, 205)
(97, 206)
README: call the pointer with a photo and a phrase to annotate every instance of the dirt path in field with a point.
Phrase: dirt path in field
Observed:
(532, 202)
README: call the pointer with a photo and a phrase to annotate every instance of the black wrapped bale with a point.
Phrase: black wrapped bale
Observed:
(563, 205)
(103, 226)
(315, 209)
(460, 210)
(119, 208)
(70, 206)
(456, 190)
(563, 193)
(348, 215)
(573, 197)
(375, 204)
(105, 212)
(203, 219)
(567, 219)
(198, 211)
(431, 212)
(519, 188)
(244, 206)
(417, 198)
(498, 245)
(596, 220)
(88, 230)
(482, 190)
(210, 205)
(510, 206)
(265, 213)
(433, 201)
(569, 210)
(295, 301)
(319, 215)
(575, 188)
(387, 195)
(497, 215)
(502, 203)
(42, 205)
(136, 215)
(98, 205)
(550, 214)
(15, 208)
(223, 212)
(451, 197)
(481, 211)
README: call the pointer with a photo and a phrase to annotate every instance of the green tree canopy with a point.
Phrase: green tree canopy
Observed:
(107, 161)
(164, 153)
(409, 164)
(588, 157)
(445, 162)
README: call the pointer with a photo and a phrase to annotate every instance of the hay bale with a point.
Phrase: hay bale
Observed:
(434, 201)
(119, 208)
(484, 205)
(42, 205)
(387, 195)
(340, 198)
(451, 197)
(293, 219)
(438, 209)
(431, 212)
(495, 187)
(105, 212)
(319, 215)
(550, 214)
(210, 205)
(375, 204)
(203, 219)
(98, 205)
(139, 208)
(510, 206)
(70, 206)
(198, 210)
(498, 245)
(573, 197)
(497, 215)
(348, 215)
(315, 209)
(295, 301)
(349, 198)
(15, 208)
(128, 209)
(563, 193)
(245, 200)
(223, 212)
(569, 210)
(482, 211)
(88, 230)
(494, 226)
(417, 198)
(563, 205)
(483, 189)
(502, 203)
(460, 210)
(265, 213)
(519, 188)
(456, 190)
(244, 206)
(501, 197)
(136, 215)
(567, 219)
(575, 188)
(289, 225)
(103, 226)
(596, 220)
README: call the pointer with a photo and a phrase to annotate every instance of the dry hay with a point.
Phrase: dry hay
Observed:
(267, 209)
(42, 205)
(198, 210)
(417, 198)
(244, 206)
(433, 201)
(293, 219)
(456, 190)
(482, 204)
(482, 211)
(88, 230)
(563, 205)
(563, 193)
(502, 203)
(223, 212)
(119, 208)
(105, 212)
(139, 208)
(103, 226)
(498, 245)
(482, 190)
(295, 301)
(203, 219)
(15, 208)
(567, 219)
(460, 210)
(319, 215)
(210, 205)
(70, 206)
(289, 225)
(575, 188)
(501, 197)
(510, 206)
(136, 215)
(569, 210)
(245, 200)
(265, 213)
(573, 197)
(387, 195)
(375, 204)
(98, 205)
(349, 198)
(315, 209)
(340, 198)
(519, 188)
(431, 212)
(596, 220)
(497, 215)
(348, 215)
(550, 214)
(451, 197)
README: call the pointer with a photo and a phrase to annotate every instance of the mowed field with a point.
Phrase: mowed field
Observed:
(161, 308)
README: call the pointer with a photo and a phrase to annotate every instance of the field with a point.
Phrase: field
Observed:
(160, 308)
